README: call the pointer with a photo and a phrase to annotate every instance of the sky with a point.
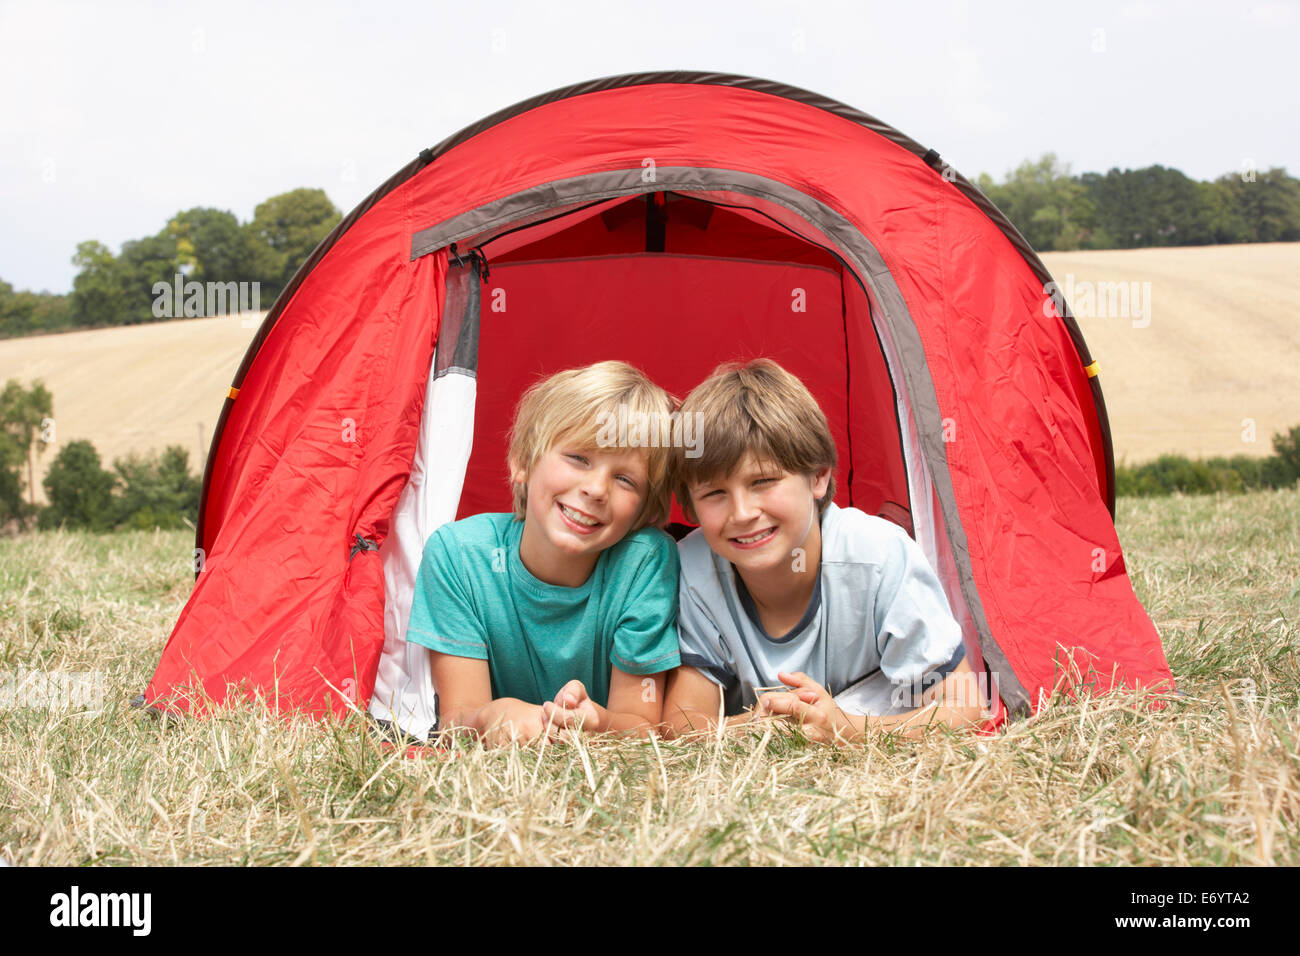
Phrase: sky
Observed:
(115, 116)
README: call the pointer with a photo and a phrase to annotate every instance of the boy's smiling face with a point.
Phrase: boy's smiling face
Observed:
(580, 502)
(756, 515)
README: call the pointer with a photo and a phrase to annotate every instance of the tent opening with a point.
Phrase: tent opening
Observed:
(676, 285)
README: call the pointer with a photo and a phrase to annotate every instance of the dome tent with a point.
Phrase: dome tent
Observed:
(676, 221)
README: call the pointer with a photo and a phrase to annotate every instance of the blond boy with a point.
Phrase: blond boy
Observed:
(560, 615)
(779, 586)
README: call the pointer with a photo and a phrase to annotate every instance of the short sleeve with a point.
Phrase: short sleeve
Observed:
(442, 609)
(919, 640)
(645, 638)
(700, 640)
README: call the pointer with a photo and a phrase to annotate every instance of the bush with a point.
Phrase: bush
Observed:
(1240, 473)
(147, 491)
(1170, 473)
(157, 491)
(79, 490)
(1276, 473)
(1287, 448)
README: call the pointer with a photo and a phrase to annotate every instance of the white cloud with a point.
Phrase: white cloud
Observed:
(1273, 14)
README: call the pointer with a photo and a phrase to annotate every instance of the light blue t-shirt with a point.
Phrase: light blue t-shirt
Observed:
(877, 609)
(474, 598)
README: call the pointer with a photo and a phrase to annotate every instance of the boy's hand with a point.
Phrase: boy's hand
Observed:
(572, 709)
(811, 706)
(515, 720)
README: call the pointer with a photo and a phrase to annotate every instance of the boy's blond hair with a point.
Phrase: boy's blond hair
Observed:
(759, 408)
(576, 406)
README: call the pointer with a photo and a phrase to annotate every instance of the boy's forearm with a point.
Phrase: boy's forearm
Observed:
(612, 721)
(952, 707)
(482, 719)
(845, 728)
(622, 722)
(914, 723)
(854, 727)
(838, 727)
(686, 721)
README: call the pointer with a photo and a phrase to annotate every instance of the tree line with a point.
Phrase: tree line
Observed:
(203, 245)
(1196, 476)
(1138, 208)
(1054, 210)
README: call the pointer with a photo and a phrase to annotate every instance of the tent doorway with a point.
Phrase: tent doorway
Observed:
(675, 284)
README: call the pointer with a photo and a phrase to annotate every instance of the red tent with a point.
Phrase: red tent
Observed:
(674, 220)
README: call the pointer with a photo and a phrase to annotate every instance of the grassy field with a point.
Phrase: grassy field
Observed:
(1212, 344)
(1213, 778)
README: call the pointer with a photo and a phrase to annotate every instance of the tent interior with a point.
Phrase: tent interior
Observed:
(676, 285)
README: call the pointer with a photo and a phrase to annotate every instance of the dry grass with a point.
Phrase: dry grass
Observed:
(1212, 778)
(1219, 348)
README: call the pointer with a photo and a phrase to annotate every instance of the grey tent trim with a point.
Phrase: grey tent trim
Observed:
(871, 270)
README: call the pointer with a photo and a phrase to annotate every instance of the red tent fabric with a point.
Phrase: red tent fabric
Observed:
(675, 221)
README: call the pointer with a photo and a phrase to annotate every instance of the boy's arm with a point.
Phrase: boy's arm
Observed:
(645, 636)
(442, 604)
(694, 704)
(954, 703)
(635, 702)
(464, 686)
(915, 621)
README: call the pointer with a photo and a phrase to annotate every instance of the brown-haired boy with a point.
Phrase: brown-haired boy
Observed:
(780, 586)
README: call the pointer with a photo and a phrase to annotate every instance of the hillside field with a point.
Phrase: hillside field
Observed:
(1208, 340)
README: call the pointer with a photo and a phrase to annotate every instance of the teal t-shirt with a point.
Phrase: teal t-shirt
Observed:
(474, 598)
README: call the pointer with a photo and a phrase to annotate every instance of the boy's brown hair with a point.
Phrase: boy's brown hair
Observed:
(757, 407)
(577, 406)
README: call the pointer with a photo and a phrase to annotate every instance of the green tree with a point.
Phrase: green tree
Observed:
(11, 479)
(284, 231)
(1154, 206)
(158, 491)
(79, 490)
(1263, 209)
(212, 243)
(1049, 207)
(24, 414)
(11, 485)
(142, 264)
(1227, 223)
(118, 290)
(99, 293)
(31, 313)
